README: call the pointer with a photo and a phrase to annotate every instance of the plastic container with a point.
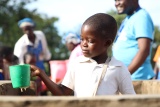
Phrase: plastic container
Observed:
(58, 70)
(20, 75)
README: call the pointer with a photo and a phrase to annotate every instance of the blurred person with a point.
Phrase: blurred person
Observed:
(156, 60)
(1, 66)
(72, 41)
(133, 43)
(6, 59)
(30, 58)
(33, 42)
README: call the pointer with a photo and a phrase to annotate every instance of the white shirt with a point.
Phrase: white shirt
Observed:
(21, 46)
(83, 74)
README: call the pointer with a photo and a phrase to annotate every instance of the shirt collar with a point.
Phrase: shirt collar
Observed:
(85, 59)
(113, 61)
(28, 42)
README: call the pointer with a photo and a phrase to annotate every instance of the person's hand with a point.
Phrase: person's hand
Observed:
(35, 71)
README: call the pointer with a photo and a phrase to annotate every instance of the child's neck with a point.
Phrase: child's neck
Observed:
(100, 59)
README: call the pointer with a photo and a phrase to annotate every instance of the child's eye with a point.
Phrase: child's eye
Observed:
(81, 39)
(90, 41)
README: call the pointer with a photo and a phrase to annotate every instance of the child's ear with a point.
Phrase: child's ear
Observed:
(108, 42)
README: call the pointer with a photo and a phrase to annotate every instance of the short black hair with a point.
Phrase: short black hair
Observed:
(103, 23)
(6, 52)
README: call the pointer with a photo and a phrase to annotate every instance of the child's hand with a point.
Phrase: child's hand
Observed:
(35, 71)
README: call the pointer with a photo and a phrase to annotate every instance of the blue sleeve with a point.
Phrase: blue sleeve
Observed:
(143, 27)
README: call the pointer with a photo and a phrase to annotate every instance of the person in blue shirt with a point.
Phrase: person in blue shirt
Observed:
(133, 43)
(32, 41)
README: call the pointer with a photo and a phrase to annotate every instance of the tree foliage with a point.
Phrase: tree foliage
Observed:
(118, 18)
(11, 11)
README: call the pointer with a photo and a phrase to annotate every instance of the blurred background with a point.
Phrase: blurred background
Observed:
(58, 17)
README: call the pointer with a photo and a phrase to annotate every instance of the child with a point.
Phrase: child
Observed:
(6, 59)
(30, 58)
(97, 34)
(1, 67)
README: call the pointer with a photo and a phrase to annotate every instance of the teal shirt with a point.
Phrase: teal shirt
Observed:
(138, 25)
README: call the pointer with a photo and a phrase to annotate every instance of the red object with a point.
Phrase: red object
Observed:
(58, 70)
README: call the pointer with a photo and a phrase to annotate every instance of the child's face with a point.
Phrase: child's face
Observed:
(30, 59)
(91, 43)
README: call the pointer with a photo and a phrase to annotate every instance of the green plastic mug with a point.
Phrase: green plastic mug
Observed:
(20, 75)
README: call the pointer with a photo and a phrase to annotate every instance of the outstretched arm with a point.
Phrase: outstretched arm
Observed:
(53, 87)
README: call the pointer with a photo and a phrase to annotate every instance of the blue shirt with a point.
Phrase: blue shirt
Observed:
(37, 51)
(1, 76)
(138, 25)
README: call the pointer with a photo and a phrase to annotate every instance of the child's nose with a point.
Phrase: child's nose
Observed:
(84, 43)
